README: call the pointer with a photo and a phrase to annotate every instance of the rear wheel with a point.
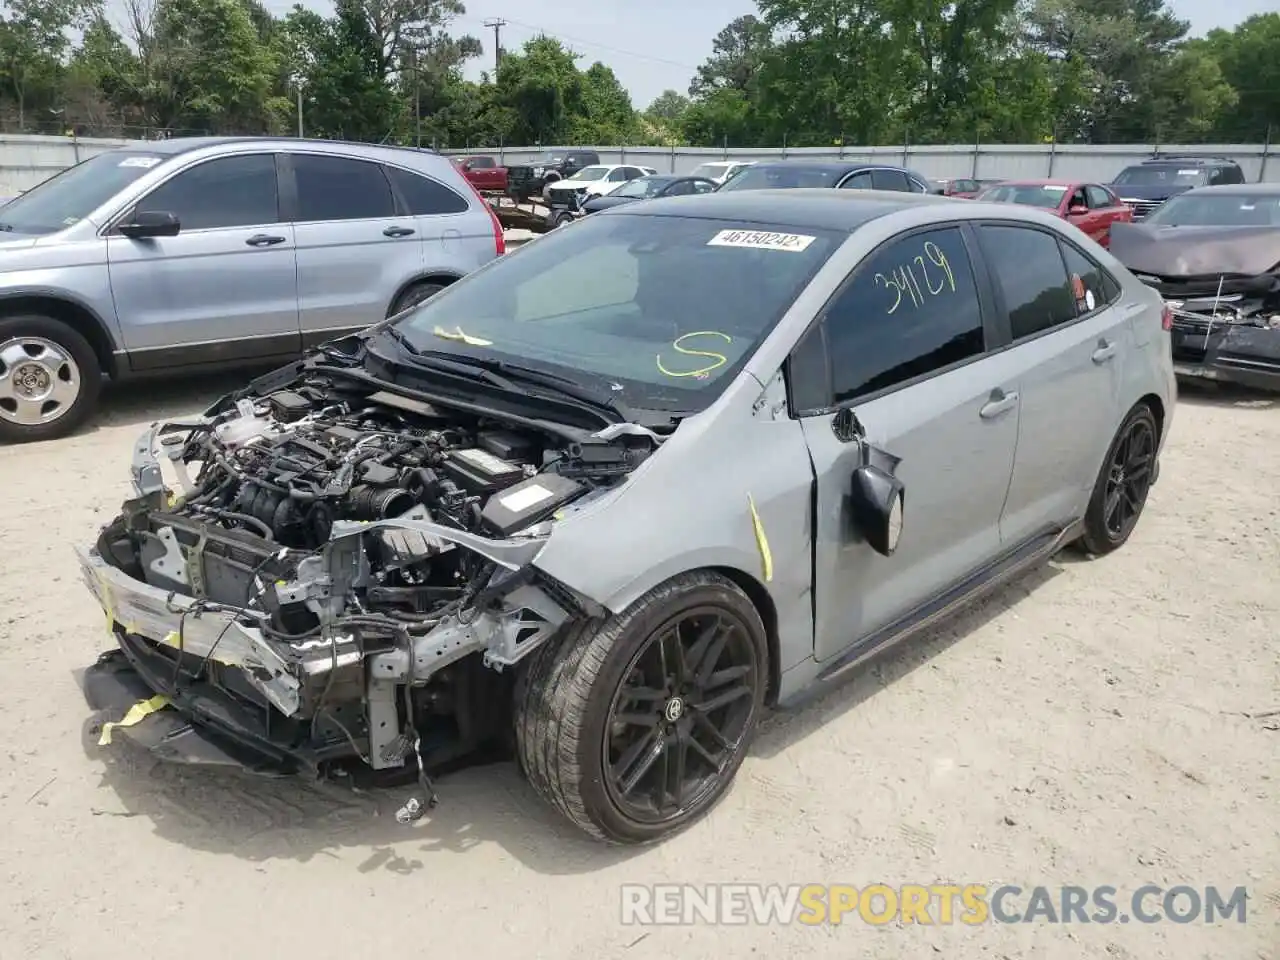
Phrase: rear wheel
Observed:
(49, 379)
(1120, 492)
(634, 727)
(416, 294)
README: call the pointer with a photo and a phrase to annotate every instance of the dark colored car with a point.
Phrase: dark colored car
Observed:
(1214, 255)
(1090, 207)
(965, 187)
(483, 173)
(650, 188)
(525, 181)
(1144, 186)
(840, 175)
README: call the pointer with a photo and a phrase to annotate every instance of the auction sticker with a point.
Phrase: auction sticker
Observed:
(758, 240)
(145, 162)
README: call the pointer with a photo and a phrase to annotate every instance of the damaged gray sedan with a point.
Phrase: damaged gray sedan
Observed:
(603, 502)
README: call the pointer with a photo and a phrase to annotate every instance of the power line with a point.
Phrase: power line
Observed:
(591, 43)
(497, 23)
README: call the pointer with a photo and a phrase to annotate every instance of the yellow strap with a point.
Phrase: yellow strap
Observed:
(136, 714)
(466, 338)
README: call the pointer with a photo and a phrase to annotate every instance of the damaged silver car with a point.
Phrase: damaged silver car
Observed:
(605, 501)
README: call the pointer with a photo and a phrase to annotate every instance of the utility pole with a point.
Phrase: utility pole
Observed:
(298, 86)
(497, 23)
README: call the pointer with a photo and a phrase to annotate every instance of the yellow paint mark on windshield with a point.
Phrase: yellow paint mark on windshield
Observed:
(719, 359)
(457, 334)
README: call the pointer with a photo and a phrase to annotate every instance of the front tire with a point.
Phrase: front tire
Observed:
(414, 295)
(49, 379)
(1120, 492)
(633, 727)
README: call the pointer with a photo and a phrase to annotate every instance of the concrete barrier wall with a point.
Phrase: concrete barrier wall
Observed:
(26, 160)
(1085, 162)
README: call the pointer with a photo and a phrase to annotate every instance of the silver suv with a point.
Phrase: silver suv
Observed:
(201, 253)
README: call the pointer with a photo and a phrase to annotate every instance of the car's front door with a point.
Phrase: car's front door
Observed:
(1069, 340)
(223, 289)
(1108, 208)
(904, 345)
(357, 245)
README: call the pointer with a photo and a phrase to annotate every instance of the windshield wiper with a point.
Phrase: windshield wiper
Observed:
(554, 381)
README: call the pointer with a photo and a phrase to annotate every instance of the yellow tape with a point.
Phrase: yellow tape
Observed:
(466, 338)
(762, 541)
(136, 714)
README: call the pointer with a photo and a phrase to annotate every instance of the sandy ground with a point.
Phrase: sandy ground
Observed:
(1089, 725)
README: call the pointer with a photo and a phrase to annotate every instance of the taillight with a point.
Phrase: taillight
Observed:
(1166, 318)
(499, 237)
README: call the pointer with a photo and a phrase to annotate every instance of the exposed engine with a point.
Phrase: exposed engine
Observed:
(349, 566)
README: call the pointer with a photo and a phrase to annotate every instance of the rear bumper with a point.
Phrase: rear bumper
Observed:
(1228, 353)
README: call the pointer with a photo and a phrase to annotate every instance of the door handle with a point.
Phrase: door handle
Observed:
(1106, 350)
(264, 240)
(398, 232)
(999, 403)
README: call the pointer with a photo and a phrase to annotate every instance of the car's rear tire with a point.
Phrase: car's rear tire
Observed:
(414, 295)
(50, 379)
(606, 709)
(562, 220)
(1120, 492)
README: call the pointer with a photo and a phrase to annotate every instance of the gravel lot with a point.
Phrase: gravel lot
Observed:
(1093, 724)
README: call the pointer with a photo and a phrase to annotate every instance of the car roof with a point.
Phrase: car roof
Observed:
(815, 208)
(179, 145)
(1239, 190)
(830, 166)
(1043, 182)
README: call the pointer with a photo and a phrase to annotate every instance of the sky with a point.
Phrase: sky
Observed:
(656, 45)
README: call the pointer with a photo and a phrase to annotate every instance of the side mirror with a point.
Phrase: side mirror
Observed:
(876, 501)
(151, 223)
(1077, 210)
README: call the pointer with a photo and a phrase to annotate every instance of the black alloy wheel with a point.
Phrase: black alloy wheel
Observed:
(680, 715)
(1129, 479)
(1123, 484)
(633, 725)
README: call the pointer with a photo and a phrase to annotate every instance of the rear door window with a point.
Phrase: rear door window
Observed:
(890, 180)
(1032, 277)
(339, 188)
(1088, 280)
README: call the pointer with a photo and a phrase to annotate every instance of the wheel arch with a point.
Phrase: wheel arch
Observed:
(74, 314)
(1156, 406)
(442, 277)
(761, 599)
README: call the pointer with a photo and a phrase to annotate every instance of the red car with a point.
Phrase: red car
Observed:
(965, 187)
(1090, 206)
(484, 173)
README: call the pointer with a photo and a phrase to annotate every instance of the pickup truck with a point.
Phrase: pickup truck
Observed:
(484, 173)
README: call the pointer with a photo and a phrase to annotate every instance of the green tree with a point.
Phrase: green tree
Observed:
(737, 53)
(606, 113)
(33, 41)
(1249, 58)
(543, 89)
(668, 107)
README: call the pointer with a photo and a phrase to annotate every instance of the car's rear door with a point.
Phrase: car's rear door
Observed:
(356, 245)
(1108, 208)
(903, 344)
(1068, 341)
(225, 288)
(887, 179)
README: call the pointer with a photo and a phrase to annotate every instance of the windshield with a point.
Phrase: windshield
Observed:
(709, 170)
(641, 187)
(1031, 195)
(70, 196)
(782, 178)
(1197, 209)
(659, 313)
(590, 173)
(1161, 176)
